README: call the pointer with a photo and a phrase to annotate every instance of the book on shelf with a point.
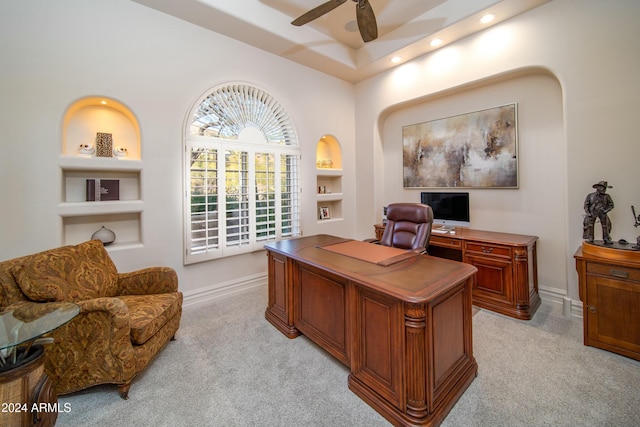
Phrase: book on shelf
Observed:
(103, 189)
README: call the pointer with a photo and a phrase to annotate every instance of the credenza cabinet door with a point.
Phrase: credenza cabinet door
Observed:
(494, 280)
(612, 309)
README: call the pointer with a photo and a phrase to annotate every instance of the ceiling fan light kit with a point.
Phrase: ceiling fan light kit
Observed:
(365, 16)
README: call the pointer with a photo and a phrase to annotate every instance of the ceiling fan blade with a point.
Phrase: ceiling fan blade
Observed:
(317, 12)
(366, 21)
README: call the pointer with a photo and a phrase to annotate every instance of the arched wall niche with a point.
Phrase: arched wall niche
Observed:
(88, 116)
(329, 193)
(539, 206)
(328, 153)
(83, 211)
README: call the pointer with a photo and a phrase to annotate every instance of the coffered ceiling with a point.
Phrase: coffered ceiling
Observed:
(332, 43)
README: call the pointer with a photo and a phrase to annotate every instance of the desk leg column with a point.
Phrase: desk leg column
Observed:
(416, 358)
(526, 282)
(280, 307)
(522, 292)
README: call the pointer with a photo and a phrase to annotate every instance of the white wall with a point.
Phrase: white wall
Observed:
(54, 53)
(593, 50)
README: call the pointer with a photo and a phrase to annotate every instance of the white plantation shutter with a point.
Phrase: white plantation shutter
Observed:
(241, 174)
(202, 224)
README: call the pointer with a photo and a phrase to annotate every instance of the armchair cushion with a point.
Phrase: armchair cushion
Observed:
(149, 313)
(69, 273)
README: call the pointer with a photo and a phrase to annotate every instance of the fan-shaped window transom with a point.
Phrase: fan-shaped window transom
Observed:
(230, 110)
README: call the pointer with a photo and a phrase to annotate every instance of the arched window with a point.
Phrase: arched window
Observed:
(241, 173)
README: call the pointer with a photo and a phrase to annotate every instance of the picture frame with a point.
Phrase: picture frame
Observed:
(471, 150)
(325, 213)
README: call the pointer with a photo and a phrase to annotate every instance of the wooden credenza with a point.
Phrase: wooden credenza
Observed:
(507, 279)
(609, 280)
(403, 329)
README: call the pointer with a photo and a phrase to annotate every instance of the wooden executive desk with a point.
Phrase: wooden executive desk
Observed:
(403, 329)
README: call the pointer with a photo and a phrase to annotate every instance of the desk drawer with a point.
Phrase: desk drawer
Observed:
(445, 242)
(487, 249)
(613, 271)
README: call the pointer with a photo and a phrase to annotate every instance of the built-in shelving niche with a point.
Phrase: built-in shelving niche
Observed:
(329, 193)
(81, 218)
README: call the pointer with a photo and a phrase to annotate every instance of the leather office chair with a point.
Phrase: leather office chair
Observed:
(408, 226)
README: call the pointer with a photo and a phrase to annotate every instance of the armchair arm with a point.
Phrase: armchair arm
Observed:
(114, 310)
(92, 348)
(152, 280)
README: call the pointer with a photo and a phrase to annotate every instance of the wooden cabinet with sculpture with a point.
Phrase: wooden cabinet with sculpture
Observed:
(610, 292)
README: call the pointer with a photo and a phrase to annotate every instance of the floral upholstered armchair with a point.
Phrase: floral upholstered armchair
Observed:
(125, 319)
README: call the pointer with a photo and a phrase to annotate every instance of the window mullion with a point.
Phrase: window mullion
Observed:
(245, 199)
(222, 199)
(187, 201)
(252, 199)
(277, 178)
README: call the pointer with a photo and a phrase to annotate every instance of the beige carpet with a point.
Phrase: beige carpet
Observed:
(229, 367)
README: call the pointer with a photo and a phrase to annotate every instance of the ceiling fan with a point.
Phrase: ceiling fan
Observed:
(364, 13)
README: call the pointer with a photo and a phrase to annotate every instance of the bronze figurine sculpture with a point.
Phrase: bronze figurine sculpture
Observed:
(596, 206)
(636, 220)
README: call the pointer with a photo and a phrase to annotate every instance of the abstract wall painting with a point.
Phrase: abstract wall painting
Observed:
(473, 150)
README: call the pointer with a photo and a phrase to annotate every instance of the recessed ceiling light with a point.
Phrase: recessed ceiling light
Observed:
(436, 42)
(487, 18)
(396, 59)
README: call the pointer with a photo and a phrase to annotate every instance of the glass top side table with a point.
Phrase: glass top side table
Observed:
(25, 324)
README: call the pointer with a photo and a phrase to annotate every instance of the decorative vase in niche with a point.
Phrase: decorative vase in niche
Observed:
(105, 235)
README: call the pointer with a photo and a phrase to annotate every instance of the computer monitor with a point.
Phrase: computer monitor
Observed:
(450, 210)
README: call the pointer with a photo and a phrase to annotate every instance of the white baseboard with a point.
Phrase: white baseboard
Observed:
(223, 290)
(554, 296)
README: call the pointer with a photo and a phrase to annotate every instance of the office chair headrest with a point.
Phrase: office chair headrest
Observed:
(415, 212)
